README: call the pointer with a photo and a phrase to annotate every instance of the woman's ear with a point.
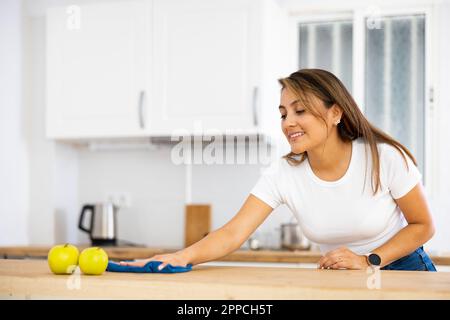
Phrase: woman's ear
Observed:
(336, 113)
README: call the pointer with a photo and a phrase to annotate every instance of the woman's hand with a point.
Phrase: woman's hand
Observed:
(343, 258)
(175, 259)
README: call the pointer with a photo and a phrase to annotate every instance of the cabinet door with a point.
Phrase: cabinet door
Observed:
(205, 65)
(96, 64)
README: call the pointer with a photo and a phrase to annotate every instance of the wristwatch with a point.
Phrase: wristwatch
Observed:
(373, 259)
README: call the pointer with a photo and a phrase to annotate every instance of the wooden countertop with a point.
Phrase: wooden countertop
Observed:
(124, 253)
(32, 279)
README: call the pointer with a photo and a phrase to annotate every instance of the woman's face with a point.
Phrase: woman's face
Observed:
(303, 130)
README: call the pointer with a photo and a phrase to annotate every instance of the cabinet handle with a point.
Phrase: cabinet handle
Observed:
(255, 105)
(141, 109)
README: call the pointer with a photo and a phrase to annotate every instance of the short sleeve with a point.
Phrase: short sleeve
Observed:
(399, 177)
(267, 188)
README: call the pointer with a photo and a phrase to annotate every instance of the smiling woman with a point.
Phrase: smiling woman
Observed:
(354, 190)
(352, 187)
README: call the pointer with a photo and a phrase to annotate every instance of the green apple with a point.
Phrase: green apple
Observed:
(93, 261)
(63, 258)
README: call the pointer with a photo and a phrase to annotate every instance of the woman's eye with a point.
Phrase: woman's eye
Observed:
(283, 116)
(300, 111)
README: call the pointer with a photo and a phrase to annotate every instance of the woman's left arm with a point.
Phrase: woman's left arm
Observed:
(419, 230)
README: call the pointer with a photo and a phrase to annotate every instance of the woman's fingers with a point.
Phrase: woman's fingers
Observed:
(329, 260)
(341, 258)
(164, 259)
(332, 257)
(137, 263)
(327, 263)
(338, 265)
(173, 259)
(324, 261)
(321, 262)
(332, 261)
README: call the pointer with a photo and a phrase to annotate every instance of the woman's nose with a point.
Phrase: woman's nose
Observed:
(289, 121)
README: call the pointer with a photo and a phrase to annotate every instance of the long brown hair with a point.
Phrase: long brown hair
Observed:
(331, 91)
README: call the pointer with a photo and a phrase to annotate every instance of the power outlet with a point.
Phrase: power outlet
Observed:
(120, 199)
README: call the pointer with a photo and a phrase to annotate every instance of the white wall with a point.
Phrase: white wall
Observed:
(41, 152)
(13, 145)
(52, 168)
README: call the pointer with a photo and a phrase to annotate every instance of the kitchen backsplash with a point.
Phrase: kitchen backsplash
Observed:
(155, 188)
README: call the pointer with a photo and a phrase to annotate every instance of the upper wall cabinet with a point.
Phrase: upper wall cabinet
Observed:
(162, 67)
(96, 55)
(206, 65)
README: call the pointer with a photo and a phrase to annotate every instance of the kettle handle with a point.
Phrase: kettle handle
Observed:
(87, 207)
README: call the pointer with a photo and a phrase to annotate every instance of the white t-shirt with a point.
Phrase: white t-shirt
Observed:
(338, 213)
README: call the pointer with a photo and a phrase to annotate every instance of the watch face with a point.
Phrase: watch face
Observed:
(374, 259)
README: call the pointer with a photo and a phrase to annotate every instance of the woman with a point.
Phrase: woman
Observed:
(354, 190)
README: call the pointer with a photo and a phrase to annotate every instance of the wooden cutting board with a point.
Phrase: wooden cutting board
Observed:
(197, 222)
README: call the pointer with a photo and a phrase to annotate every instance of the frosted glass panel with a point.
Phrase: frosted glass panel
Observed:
(395, 80)
(324, 46)
(328, 46)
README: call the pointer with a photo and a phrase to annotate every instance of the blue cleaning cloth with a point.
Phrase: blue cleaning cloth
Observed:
(149, 267)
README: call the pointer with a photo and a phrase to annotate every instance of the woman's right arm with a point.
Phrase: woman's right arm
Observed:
(220, 242)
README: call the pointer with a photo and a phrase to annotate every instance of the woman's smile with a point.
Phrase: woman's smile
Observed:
(295, 136)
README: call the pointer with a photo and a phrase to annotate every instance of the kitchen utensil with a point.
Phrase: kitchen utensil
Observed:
(292, 237)
(102, 228)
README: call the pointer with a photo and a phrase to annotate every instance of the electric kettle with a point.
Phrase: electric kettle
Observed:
(102, 228)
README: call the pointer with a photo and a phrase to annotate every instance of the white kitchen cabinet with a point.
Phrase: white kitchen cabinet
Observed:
(206, 65)
(96, 68)
(163, 67)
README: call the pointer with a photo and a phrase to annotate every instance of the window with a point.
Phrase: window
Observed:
(395, 80)
(328, 46)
